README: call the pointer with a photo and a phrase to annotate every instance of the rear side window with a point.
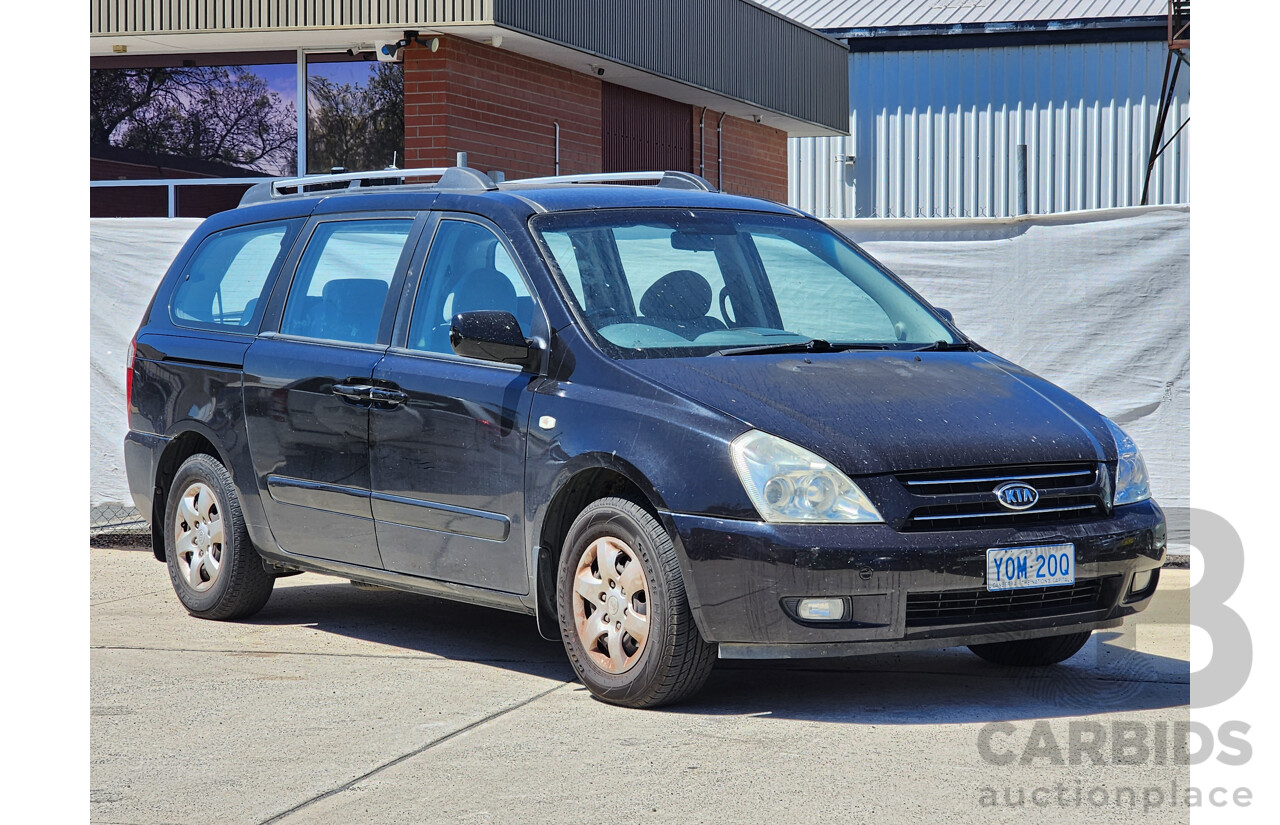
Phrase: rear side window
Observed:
(223, 285)
(340, 288)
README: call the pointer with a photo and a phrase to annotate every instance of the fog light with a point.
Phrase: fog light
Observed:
(820, 610)
(1141, 581)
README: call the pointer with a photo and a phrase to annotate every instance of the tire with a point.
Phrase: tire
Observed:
(1048, 650)
(229, 580)
(671, 662)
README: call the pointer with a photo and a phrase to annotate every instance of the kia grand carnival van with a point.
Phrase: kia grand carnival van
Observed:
(668, 423)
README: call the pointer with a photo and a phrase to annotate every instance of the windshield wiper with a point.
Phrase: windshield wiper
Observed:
(812, 345)
(946, 346)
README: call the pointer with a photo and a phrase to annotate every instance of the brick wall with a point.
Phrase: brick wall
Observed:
(499, 108)
(754, 159)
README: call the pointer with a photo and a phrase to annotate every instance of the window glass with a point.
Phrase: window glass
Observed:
(468, 269)
(340, 288)
(355, 114)
(224, 282)
(815, 287)
(184, 121)
(648, 257)
(567, 259)
(666, 283)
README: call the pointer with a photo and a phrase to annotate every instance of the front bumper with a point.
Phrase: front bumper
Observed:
(739, 574)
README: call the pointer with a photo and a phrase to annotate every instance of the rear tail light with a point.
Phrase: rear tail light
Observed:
(128, 376)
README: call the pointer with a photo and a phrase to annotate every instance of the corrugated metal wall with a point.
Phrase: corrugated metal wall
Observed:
(641, 131)
(935, 133)
(143, 16)
(735, 48)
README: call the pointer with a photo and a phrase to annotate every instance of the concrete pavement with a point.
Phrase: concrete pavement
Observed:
(342, 705)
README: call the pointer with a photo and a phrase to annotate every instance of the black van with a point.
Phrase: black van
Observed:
(669, 423)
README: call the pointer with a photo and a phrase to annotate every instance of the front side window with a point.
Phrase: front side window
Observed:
(468, 269)
(340, 289)
(660, 283)
(223, 285)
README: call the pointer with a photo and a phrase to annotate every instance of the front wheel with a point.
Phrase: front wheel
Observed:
(213, 566)
(1048, 650)
(624, 617)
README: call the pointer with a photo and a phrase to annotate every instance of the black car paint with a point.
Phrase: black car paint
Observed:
(663, 424)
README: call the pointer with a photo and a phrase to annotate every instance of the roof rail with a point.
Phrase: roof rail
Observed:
(450, 177)
(669, 179)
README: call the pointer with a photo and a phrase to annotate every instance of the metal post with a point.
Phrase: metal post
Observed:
(1021, 205)
(557, 125)
(1168, 88)
(720, 153)
(302, 112)
(173, 200)
(702, 144)
(462, 159)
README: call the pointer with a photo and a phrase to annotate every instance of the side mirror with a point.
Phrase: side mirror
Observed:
(491, 335)
(946, 313)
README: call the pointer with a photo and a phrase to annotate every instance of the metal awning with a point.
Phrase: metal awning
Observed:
(730, 55)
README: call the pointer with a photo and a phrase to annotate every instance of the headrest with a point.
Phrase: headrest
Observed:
(484, 288)
(356, 293)
(682, 295)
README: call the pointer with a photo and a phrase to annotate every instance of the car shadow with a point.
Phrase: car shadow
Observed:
(921, 687)
(949, 685)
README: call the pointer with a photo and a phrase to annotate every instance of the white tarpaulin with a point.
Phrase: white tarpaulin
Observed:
(1097, 302)
(128, 257)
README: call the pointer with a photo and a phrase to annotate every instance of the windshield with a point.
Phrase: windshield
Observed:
(662, 283)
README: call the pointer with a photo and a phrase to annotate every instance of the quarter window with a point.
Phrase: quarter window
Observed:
(340, 289)
(223, 286)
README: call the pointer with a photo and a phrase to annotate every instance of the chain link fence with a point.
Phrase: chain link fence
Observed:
(115, 516)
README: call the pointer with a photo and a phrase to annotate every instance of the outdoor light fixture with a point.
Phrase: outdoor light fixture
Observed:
(389, 52)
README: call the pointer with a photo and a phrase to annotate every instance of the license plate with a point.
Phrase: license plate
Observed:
(1012, 568)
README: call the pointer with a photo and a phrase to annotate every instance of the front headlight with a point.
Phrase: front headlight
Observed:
(789, 484)
(1132, 484)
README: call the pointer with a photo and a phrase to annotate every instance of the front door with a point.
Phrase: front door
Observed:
(448, 457)
(307, 386)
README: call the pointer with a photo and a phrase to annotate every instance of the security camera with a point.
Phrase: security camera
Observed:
(599, 70)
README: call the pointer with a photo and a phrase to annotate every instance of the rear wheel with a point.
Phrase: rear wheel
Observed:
(624, 617)
(1048, 650)
(213, 566)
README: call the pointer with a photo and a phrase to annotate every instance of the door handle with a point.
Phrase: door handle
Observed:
(353, 392)
(382, 395)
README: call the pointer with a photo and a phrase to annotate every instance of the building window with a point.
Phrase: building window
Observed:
(355, 114)
(207, 116)
(196, 120)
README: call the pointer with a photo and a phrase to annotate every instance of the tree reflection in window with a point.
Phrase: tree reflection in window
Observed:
(355, 115)
(225, 115)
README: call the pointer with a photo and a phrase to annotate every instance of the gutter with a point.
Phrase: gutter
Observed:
(998, 27)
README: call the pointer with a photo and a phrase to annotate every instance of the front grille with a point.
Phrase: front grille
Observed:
(984, 479)
(981, 605)
(966, 500)
(971, 516)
